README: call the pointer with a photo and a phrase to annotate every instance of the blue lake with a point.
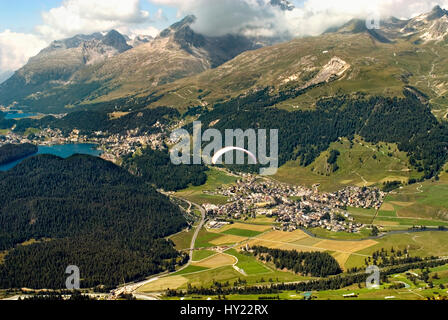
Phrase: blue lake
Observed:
(20, 115)
(63, 151)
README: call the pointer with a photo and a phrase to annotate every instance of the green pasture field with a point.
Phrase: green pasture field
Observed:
(248, 263)
(199, 255)
(242, 232)
(204, 237)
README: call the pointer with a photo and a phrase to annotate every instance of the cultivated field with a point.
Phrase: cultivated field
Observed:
(216, 261)
(199, 255)
(232, 264)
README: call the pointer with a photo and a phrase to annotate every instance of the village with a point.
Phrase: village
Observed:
(293, 207)
(113, 147)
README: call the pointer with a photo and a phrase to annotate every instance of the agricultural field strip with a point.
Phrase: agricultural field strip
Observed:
(209, 257)
(314, 248)
(220, 260)
(246, 239)
(259, 237)
(395, 218)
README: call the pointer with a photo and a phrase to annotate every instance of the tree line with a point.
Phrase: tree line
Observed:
(90, 121)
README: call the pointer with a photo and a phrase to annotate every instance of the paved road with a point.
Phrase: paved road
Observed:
(131, 288)
(198, 229)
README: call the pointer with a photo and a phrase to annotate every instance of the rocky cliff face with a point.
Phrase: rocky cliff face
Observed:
(87, 67)
(57, 64)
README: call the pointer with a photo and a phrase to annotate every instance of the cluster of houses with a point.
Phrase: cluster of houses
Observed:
(113, 146)
(117, 145)
(294, 206)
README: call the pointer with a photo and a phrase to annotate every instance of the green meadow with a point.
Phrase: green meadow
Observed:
(242, 232)
(248, 263)
(215, 178)
(360, 163)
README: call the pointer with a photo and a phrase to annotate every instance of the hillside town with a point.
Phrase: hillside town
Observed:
(113, 146)
(294, 207)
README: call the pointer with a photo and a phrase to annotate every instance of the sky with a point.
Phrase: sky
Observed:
(28, 26)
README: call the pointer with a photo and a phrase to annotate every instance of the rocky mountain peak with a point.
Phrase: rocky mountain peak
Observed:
(436, 13)
(178, 26)
(116, 40)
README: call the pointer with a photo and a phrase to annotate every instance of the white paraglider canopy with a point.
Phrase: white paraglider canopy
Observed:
(228, 149)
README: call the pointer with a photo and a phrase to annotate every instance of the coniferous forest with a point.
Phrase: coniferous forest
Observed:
(155, 167)
(91, 121)
(86, 212)
(13, 152)
(316, 264)
(304, 135)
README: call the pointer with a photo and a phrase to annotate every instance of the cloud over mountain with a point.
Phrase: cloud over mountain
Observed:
(16, 49)
(70, 18)
(215, 17)
(309, 17)
(86, 16)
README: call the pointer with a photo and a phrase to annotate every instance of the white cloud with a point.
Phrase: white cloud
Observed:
(70, 18)
(17, 48)
(318, 15)
(133, 32)
(216, 17)
(87, 16)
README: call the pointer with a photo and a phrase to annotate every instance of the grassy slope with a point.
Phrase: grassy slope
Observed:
(363, 164)
(426, 200)
(182, 240)
(376, 69)
(202, 254)
(419, 244)
(215, 179)
(250, 265)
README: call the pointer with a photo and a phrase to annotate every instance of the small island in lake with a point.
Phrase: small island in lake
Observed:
(13, 152)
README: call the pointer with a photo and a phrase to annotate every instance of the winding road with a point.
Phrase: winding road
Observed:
(131, 288)
(198, 229)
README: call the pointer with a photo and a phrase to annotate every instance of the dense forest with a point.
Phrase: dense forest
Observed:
(156, 168)
(5, 123)
(91, 121)
(13, 152)
(315, 264)
(304, 135)
(83, 211)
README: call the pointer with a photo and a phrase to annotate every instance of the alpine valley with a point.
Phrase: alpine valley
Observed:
(362, 180)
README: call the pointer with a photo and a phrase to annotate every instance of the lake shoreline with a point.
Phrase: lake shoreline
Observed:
(60, 150)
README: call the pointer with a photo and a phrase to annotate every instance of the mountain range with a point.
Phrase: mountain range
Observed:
(184, 68)
(86, 67)
(403, 55)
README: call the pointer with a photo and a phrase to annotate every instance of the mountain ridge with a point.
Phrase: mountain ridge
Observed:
(181, 58)
(71, 70)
